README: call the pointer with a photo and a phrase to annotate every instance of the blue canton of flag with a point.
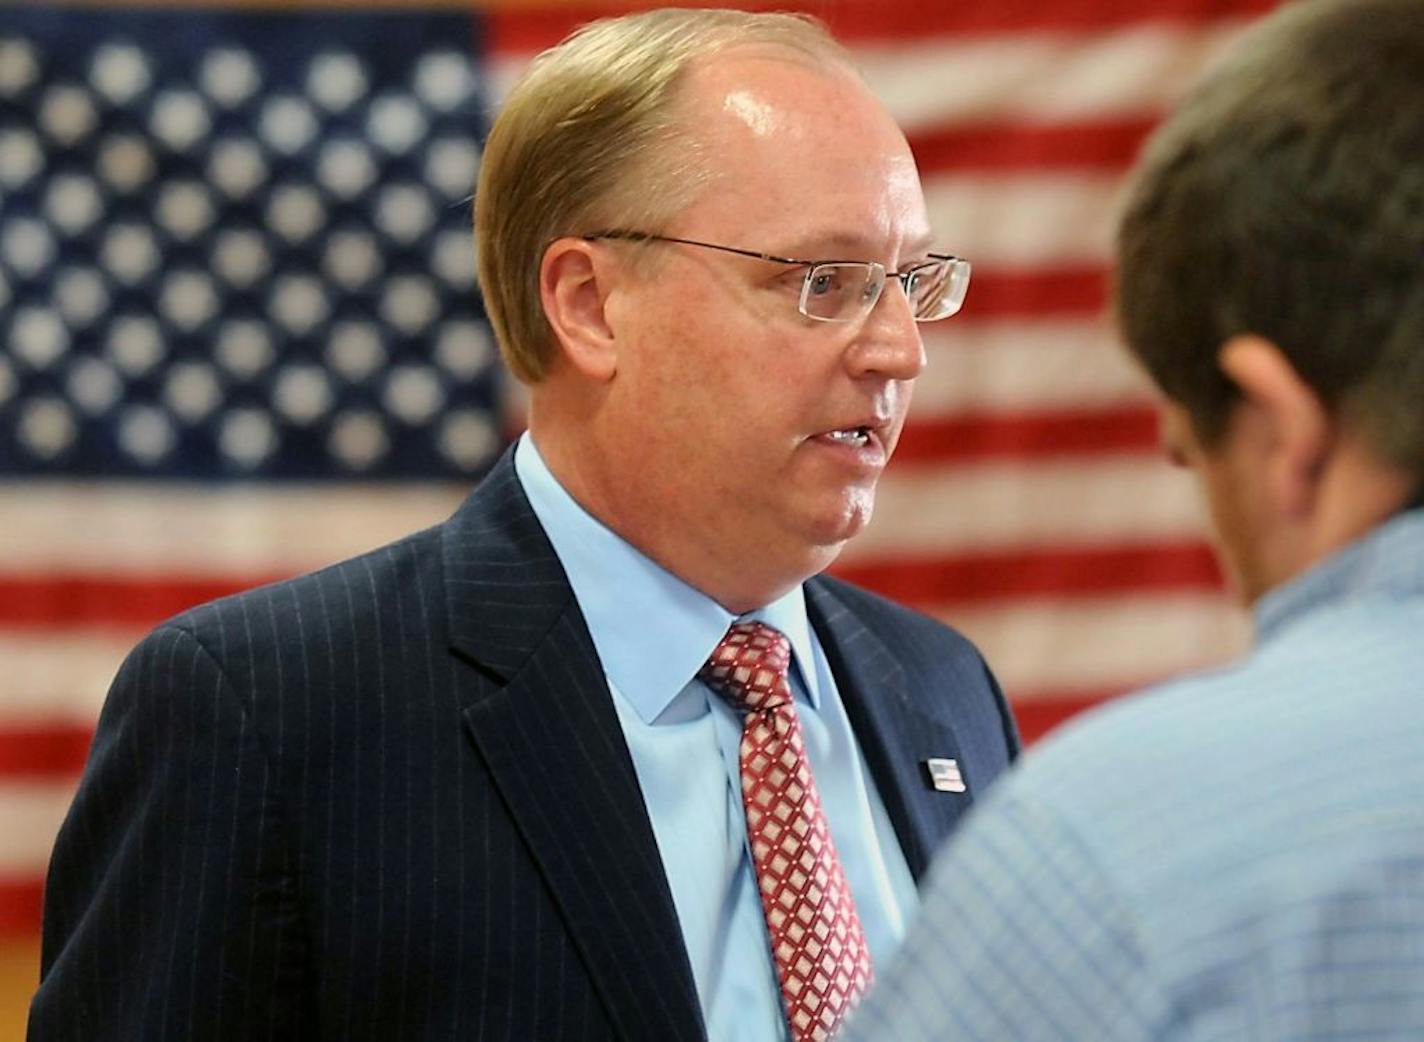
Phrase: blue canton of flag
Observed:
(238, 244)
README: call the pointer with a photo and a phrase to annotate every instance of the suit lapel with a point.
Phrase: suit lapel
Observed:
(897, 733)
(545, 724)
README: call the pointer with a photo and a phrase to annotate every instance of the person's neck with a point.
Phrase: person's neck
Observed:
(1358, 494)
(739, 579)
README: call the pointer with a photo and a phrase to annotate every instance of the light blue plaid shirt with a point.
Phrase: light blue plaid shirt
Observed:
(1238, 855)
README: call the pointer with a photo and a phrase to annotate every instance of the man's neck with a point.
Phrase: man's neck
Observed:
(1357, 494)
(703, 564)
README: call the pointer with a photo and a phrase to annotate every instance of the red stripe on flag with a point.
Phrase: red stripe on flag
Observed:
(49, 601)
(43, 752)
(980, 436)
(140, 602)
(1068, 290)
(526, 30)
(1099, 145)
(20, 903)
(930, 583)
(1038, 715)
(58, 754)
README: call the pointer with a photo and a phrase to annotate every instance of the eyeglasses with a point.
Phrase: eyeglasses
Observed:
(843, 290)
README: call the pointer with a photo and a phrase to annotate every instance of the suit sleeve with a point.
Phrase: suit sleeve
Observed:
(170, 908)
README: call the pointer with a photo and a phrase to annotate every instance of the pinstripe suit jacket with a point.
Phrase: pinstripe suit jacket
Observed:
(391, 800)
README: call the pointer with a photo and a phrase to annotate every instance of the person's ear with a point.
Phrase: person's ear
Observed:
(1296, 430)
(574, 281)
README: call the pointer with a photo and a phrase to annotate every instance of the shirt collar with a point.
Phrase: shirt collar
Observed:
(1387, 560)
(653, 631)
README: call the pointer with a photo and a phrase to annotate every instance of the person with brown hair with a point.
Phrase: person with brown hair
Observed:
(1240, 855)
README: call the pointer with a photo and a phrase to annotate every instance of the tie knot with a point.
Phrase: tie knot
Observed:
(748, 668)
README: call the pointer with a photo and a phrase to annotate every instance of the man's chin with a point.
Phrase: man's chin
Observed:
(829, 531)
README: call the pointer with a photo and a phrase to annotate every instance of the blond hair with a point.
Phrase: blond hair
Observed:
(591, 138)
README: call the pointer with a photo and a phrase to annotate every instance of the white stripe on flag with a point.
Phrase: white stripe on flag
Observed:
(133, 528)
(1034, 643)
(1094, 644)
(1040, 77)
(255, 532)
(59, 676)
(1024, 221)
(30, 813)
(924, 511)
(1036, 77)
(1024, 365)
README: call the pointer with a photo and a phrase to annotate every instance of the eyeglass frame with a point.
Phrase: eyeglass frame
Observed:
(629, 235)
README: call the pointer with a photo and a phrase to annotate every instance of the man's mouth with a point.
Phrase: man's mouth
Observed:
(856, 437)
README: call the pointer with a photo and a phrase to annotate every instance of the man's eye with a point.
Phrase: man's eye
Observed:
(824, 282)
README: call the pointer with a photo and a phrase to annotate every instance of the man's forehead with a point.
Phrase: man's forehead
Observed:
(839, 242)
(759, 114)
(804, 159)
(768, 89)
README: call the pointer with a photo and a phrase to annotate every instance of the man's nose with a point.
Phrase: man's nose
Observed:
(889, 344)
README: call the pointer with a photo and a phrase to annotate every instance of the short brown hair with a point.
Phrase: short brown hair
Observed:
(1285, 198)
(586, 141)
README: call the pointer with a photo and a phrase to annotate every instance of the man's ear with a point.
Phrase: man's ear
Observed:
(1296, 430)
(574, 281)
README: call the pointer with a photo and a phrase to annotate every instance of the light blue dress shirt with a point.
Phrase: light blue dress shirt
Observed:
(1237, 856)
(653, 632)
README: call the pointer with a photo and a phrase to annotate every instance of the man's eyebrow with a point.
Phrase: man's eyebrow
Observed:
(845, 245)
(920, 244)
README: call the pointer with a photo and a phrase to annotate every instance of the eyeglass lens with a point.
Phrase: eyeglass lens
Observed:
(835, 292)
(840, 291)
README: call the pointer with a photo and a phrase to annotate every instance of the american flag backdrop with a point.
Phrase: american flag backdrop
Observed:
(239, 337)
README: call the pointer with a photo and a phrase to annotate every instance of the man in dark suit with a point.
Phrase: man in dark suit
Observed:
(496, 781)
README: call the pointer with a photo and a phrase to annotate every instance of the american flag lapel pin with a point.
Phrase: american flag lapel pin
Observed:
(945, 775)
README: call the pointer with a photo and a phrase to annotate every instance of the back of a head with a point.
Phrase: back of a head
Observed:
(591, 138)
(1285, 198)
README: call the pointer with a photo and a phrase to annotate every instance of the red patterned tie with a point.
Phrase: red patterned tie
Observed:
(822, 959)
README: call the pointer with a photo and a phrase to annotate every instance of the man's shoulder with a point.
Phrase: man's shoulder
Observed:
(1294, 794)
(936, 669)
(1283, 708)
(338, 596)
(1183, 741)
(1237, 765)
(364, 583)
(903, 628)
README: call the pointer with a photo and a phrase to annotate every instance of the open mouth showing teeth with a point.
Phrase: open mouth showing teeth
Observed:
(851, 436)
